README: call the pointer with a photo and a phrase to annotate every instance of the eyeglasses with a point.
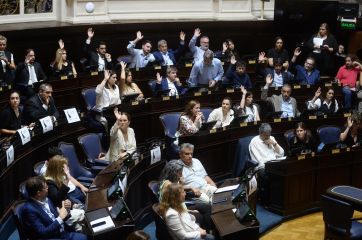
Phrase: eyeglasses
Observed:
(308, 63)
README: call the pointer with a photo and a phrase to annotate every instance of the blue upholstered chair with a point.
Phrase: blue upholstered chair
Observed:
(22, 191)
(170, 123)
(92, 147)
(161, 227)
(76, 169)
(154, 187)
(338, 221)
(89, 96)
(37, 167)
(206, 112)
(329, 134)
(242, 160)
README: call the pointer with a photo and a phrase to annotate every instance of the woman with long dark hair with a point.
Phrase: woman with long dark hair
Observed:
(327, 104)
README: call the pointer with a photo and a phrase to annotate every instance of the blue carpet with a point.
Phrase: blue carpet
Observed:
(267, 220)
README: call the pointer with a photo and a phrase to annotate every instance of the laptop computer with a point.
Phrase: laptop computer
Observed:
(207, 125)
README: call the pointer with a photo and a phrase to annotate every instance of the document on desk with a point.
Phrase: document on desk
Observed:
(102, 224)
(226, 189)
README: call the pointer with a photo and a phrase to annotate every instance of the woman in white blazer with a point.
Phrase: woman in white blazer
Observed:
(180, 223)
(222, 115)
(123, 138)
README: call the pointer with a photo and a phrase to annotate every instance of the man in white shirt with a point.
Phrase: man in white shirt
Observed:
(194, 174)
(140, 57)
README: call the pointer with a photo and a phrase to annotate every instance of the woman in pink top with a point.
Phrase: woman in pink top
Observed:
(347, 75)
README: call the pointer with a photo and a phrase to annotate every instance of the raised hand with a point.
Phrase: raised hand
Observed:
(197, 32)
(262, 56)
(233, 60)
(139, 35)
(349, 122)
(318, 92)
(182, 36)
(61, 44)
(158, 78)
(106, 74)
(90, 33)
(224, 46)
(268, 79)
(243, 90)
(116, 113)
(123, 65)
(297, 52)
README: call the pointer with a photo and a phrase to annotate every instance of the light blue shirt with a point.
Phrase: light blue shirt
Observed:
(287, 109)
(139, 59)
(45, 206)
(278, 79)
(202, 74)
(194, 175)
(197, 52)
(167, 59)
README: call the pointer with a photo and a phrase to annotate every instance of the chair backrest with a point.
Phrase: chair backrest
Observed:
(9, 227)
(152, 85)
(289, 135)
(206, 112)
(161, 227)
(37, 167)
(89, 96)
(337, 214)
(329, 134)
(91, 145)
(125, 58)
(22, 191)
(76, 170)
(154, 187)
(170, 123)
(242, 156)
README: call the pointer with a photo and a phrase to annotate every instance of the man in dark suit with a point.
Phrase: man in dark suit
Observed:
(40, 105)
(165, 56)
(27, 73)
(98, 60)
(171, 83)
(39, 216)
(7, 65)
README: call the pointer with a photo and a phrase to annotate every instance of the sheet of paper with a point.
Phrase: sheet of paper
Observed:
(72, 115)
(155, 155)
(253, 185)
(24, 134)
(9, 155)
(46, 124)
(317, 41)
(107, 223)
(226, 189)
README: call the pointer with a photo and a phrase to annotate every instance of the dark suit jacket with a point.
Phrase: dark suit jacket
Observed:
(37, 223)
(93, 58)
(34, 110)
(173, 55)
(287, 76)
(164, 86)
(22, 73)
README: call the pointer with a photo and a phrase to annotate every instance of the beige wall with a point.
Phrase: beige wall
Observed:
(73, 11)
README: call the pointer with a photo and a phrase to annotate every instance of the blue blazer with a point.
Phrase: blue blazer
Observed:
(37, 223)
(164, 86)
(287, 76)
(173, 55)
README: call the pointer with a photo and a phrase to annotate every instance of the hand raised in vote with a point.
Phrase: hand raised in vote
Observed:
(318, 92)
(182, 36)
(123, 65)
(233, 60)
(90, 33)
(297, 51)
(61, 43)
(158, 78)
(268, 79)
(139, 35)
(197, 32)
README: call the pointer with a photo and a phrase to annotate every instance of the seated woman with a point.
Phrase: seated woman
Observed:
(180, 223)
(123, 138)
(61, 66)
(63, 187)
(351, 134)
(126, 85)
(303, 141)
(191, 119)
(247, 107)
(11, 116)
(223, 115)
(327, 105)
(172, 173)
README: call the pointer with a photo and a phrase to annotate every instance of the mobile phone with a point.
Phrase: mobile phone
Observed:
(2, 54)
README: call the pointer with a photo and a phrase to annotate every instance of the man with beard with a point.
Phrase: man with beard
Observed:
(306, 74)
(198, 52)
(27, 73)
(40, 105)
(140, 57)
(282, 102)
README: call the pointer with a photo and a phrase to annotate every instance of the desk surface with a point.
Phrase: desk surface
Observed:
(348, 194)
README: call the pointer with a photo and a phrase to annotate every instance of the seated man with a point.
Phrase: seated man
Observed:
(98, 60)
(347, 75)
(306, 74)
(279, 76)
(40, 105)
(207, 72)
(264, 148)
(237, 75)
(194, 174)
(140, 57)
(40, 217)
(283, 102)
(198, 52)
(165, 56)
(171, 82)
(27, 73)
